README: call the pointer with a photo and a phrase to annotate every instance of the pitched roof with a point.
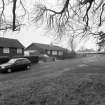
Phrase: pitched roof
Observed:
(43, 46)
(6, 42)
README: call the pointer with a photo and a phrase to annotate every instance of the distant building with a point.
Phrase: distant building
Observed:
(11, 47)
(86, 51)
(51, 50)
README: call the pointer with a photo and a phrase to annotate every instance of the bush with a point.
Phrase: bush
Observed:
(33, 59)
(4, 59)
(70, 55)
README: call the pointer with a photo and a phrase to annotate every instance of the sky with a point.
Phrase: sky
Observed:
(30, 34)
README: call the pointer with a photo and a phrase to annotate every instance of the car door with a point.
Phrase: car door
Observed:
(26, 62)
(17, 64)
(23, 63)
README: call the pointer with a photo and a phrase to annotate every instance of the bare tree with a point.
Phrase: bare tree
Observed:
(71, 42)
(101, 41)
(80, 17)
(89, 14)
(13, 23)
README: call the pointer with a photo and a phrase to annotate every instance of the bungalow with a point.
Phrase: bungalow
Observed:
(10, 47)
(51, 50)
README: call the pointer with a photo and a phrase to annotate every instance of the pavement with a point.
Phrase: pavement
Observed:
(93, 64)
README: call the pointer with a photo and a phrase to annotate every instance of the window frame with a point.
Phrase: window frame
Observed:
(60, 53)
(19, 50)
(6, 50)
(54, 52)
(49, 52)
(18, 61)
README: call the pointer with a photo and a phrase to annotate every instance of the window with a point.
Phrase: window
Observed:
(60, 52)
(19, 51)
(48, 52)
(54, 52)
(6, 50)
(18, 62)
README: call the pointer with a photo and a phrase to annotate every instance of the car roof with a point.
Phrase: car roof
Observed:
(18, 58)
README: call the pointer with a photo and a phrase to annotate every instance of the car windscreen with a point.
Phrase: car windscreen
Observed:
(11, 61)
(45, 55)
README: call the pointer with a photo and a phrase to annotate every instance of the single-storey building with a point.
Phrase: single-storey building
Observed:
(51, 50)
(10, 47)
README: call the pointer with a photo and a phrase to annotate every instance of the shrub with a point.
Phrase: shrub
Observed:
(69, 55)
(4, 59)
(33, 59)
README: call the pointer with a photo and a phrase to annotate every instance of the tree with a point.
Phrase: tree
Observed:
(68, 15)
(101, 40)
(79, 17)
(13, 23)
(83, 16)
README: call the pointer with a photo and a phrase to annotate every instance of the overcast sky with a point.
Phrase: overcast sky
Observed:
(29, 34)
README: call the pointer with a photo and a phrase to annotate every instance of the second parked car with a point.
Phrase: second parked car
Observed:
(46, 58)
(15, 64)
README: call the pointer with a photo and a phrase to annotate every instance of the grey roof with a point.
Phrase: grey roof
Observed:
(6, 42)
(43, 46)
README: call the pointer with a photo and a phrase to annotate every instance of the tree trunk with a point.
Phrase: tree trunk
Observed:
(14, 15)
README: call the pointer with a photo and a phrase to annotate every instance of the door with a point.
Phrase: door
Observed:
(17, 65)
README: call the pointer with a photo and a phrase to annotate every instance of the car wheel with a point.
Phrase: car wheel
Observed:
(28, 67)
(9, 70)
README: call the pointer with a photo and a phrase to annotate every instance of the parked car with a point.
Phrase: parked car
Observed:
(15, 64)
(46, 58)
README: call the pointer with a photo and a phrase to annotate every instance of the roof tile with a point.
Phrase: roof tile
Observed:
(44, 46)
(6, 42)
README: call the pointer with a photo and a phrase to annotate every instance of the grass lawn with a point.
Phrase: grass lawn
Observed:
(67, 89)
(70, 88)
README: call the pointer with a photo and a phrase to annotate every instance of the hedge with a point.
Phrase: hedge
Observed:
(4, 59)
(33, 59)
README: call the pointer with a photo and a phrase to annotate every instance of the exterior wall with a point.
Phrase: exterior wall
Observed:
(34, 48)
(22, 51)
(55, 53)
(1, 51)
(31, 52)
(12, 52)
(45, 51)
